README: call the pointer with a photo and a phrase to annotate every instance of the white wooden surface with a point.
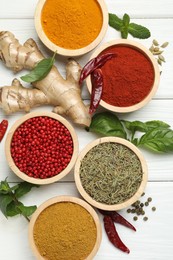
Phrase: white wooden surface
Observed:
(153, 239)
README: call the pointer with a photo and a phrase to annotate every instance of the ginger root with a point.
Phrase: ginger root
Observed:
(63, 94)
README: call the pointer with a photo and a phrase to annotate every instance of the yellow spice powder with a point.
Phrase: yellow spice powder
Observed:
(65, 231)
(71, 24)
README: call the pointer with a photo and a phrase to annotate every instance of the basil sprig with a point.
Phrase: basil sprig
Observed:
(40, 71)
(157, 137)
(125, 27)
(9, 199)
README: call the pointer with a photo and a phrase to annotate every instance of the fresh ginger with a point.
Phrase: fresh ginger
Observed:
(63, 94)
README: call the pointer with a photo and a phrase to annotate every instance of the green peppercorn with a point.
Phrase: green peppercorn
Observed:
(128, 210)
(142, 204)
(143, 212)
(133, 211)
(143, 194)
(153, 208)
(149, 199)
(145, 218)
(146, 203)
(135, 218)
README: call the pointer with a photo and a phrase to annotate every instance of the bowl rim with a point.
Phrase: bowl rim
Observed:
(140, 47)
(126, 203)
(59, 199)
(70, 52)
(24, 176)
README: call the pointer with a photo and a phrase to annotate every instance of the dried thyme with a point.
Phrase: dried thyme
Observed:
(110, 173)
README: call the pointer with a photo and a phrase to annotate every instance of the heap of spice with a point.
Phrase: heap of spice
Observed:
(110, 173)
(127, 77)
(65, 231)
(72, 24)
(41, 147)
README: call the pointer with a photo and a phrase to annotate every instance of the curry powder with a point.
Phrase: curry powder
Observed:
(65, 231)
(71, 24)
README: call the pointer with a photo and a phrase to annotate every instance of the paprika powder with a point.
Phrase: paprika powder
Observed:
(128, 77)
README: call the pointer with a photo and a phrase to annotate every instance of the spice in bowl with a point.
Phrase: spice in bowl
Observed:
(130, 77)
(41, 146)
(110, 173)
(65, 228)
(71, 27)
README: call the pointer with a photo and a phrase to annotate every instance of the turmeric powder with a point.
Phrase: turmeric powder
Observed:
(64, 231)
(71, 24)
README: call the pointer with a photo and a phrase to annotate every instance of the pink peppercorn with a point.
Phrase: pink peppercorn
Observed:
(41, 147)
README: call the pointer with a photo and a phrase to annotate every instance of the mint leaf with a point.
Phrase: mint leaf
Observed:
(138, 31)
(23, 188)
(124, 33)
(126, 20)
(12, 209)
(5, 200)
(26, 211)
(158, 140)
(115, 22)
(107, 124)
(40, 71)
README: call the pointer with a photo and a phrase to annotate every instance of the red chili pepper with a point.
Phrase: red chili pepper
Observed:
(3, 128)
(93, 64)
(97, 88)
(117, 218)
(113, 235)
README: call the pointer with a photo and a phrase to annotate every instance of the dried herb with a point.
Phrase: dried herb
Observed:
(125, 27)
(157, 137)
(106, 173)
(9, 203)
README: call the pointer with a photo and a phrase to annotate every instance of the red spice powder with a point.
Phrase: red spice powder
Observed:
(41, 147)
(128, 77)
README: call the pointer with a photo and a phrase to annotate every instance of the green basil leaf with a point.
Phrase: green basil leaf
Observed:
(115, 22)
(23, 188)
(138, 31)
(155, 124)
(135, 126)
(5, 200)
(107, 124)
(12, 210)
(126, 20)
(158, 140)
(26, 211)
(124, 32)
(40, 71)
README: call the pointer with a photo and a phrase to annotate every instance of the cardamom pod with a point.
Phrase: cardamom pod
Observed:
(159, 62)
(155, 42)
(156, 49)
(151, 49)
(161, 58)
(164, 45)
(157, 52)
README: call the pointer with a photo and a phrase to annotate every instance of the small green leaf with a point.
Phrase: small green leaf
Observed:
(156, 123)
(124, 32)
(135, 141)
(12, 209)
(126, 20)
(23, 188)
(115, 22)
(138, 31)
(26, 211)
(107, 124)
(4, 187)
(135, 126)
(5, 200)
(40, 71)
(158, 140)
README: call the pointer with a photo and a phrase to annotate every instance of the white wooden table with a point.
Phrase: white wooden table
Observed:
(153, 239)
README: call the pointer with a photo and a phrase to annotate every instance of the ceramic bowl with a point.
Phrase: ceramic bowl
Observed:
(142, 49)
(24, 176)
(130, 200)
(60, 199)
(70, 52)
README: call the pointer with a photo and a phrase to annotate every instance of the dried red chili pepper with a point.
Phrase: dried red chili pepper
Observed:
(113, 235)
(117, 218)
(3, 128)
(97, 88)
(93, 64)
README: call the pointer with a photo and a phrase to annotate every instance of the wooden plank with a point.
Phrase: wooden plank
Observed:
(142, 9)
(153, 239)
(25, 29)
